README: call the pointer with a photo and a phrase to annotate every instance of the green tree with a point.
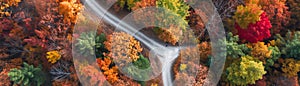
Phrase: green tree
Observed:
(100, 47)
(290, 45)
(140, 68)
(246, 71)
(233, 49)
(86, 43)
(27, 76)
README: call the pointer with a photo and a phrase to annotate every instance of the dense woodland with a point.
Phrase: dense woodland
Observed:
(262, 44)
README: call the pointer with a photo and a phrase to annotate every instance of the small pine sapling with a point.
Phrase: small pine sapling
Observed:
(27, 76)
(86, 43)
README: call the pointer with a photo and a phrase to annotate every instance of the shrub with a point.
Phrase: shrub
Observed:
(275, 52)
(171, 35)
(260, 50)
(233, 49)
(53, 56)
(182, 67)
(265, 53)
(204, 51)
(248, 14)
(173, 14)
(274, 56)
(256, 32)
(27, 76)
(91, 74)
(123, 48)
(142, 63)
(246, 71)
(70, 10)
(290, 67)
(252, 23)
(278, 13)
(290, 45)
(86, 43)
(140, 69)
(182, 70)
(178, 8)
(110, 72)
(47, 29)
(293, 46)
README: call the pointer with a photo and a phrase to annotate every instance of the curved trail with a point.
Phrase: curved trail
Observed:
(167, 55)
(95, 9)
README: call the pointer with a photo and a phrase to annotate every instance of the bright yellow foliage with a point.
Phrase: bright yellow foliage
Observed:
(182, 67)
(245, 72)
(53, 56)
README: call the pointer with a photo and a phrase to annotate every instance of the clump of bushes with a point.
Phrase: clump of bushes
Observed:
(53, 56)
(252, 23)
(278, 13)
(246, 71)
(234, 49)
(123, 48)
(177, 10)
(140, 69)
(70, 10)
(110, 72)
(293, 46)
(86, 43)
(290, 67)
(27, 76)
